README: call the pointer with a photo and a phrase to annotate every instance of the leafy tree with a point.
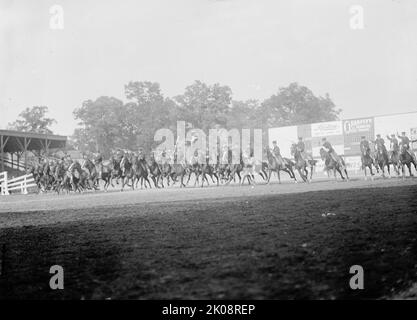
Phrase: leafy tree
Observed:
(294, 105)
(33, 120)
(244, 114)
(100, 125)
(146, 112)
(205, 105)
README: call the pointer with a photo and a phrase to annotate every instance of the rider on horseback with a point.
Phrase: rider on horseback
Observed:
(380, 144)
(277, 153)
(83, 165)
(365, 148)
(405, 145)
(301, 148)
(394, 146)
(327, 145)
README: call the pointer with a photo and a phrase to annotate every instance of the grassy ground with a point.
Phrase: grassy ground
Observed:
(273, 247)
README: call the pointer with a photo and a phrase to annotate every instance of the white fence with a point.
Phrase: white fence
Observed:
(21, 183)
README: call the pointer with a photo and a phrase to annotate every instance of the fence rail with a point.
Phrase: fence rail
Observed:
(21, 183)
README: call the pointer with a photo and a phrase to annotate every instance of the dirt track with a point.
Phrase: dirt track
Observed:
(227, 242)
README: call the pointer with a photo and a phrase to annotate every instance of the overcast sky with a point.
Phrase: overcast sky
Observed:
(254, 46)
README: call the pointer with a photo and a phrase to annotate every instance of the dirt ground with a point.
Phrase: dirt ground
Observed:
(267, 242)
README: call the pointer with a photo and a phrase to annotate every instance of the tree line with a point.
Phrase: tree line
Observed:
(107, 123)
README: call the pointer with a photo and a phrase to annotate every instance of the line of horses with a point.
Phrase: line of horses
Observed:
(379, 159)
(132, 170)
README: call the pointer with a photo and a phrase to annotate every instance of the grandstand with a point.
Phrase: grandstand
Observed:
(16, 144)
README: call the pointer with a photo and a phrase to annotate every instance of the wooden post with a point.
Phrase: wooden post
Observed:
(26, 145)
(47, 144)
(3, 142)
(2, 153)
(26, 156)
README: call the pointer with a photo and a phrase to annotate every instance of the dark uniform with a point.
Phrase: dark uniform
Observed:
(380, 144)
(405, 144)
(364, 146)
(394, 146)
(276, 151)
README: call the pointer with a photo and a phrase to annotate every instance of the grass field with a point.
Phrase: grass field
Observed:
(270, 242)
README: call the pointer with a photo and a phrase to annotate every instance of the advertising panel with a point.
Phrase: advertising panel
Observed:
(353, 129)
(325, 129)
(333, 131)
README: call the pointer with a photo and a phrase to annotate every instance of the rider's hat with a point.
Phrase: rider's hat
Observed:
(300, 138)
(403, 132)
(275, 141)
(323, 139)
(363, 137)
(378, 135)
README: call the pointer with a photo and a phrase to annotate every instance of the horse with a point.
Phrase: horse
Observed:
(116, 171)
(248, 169)
(367, 162)
(72, 177)
(104, 171)
(140, 169)
(300, 163)
(406, 160)
(394, 159)
(204, 169)
(178, 171)
(128, 172)
(37, 173)
(155, 171)
(91, 177)
(382, 160)
(331, 164)
(274, 165)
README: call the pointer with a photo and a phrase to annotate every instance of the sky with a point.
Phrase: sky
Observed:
(253, 46)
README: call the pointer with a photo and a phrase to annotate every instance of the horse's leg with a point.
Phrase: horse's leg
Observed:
(147, 180)
(123, 184)
(279, 176)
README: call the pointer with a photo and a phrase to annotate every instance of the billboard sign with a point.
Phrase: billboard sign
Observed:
(353, 130)
(325, 129)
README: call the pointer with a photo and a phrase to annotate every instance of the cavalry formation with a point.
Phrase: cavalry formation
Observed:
(134, 169)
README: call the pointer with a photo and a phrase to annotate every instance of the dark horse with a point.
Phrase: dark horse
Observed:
(140, 169)
(331, 164)
(382, 160)
(274, 165)
(406, 160)
(128, 173)
(394, 159)
(367, 162)
(301, 164)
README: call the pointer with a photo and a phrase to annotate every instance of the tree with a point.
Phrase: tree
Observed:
(146, 112)
(295, 105)
(33, 120)
(205, 105)
(100, 125)
(244, 114)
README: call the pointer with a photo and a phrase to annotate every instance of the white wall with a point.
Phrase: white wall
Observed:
(284, 136)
